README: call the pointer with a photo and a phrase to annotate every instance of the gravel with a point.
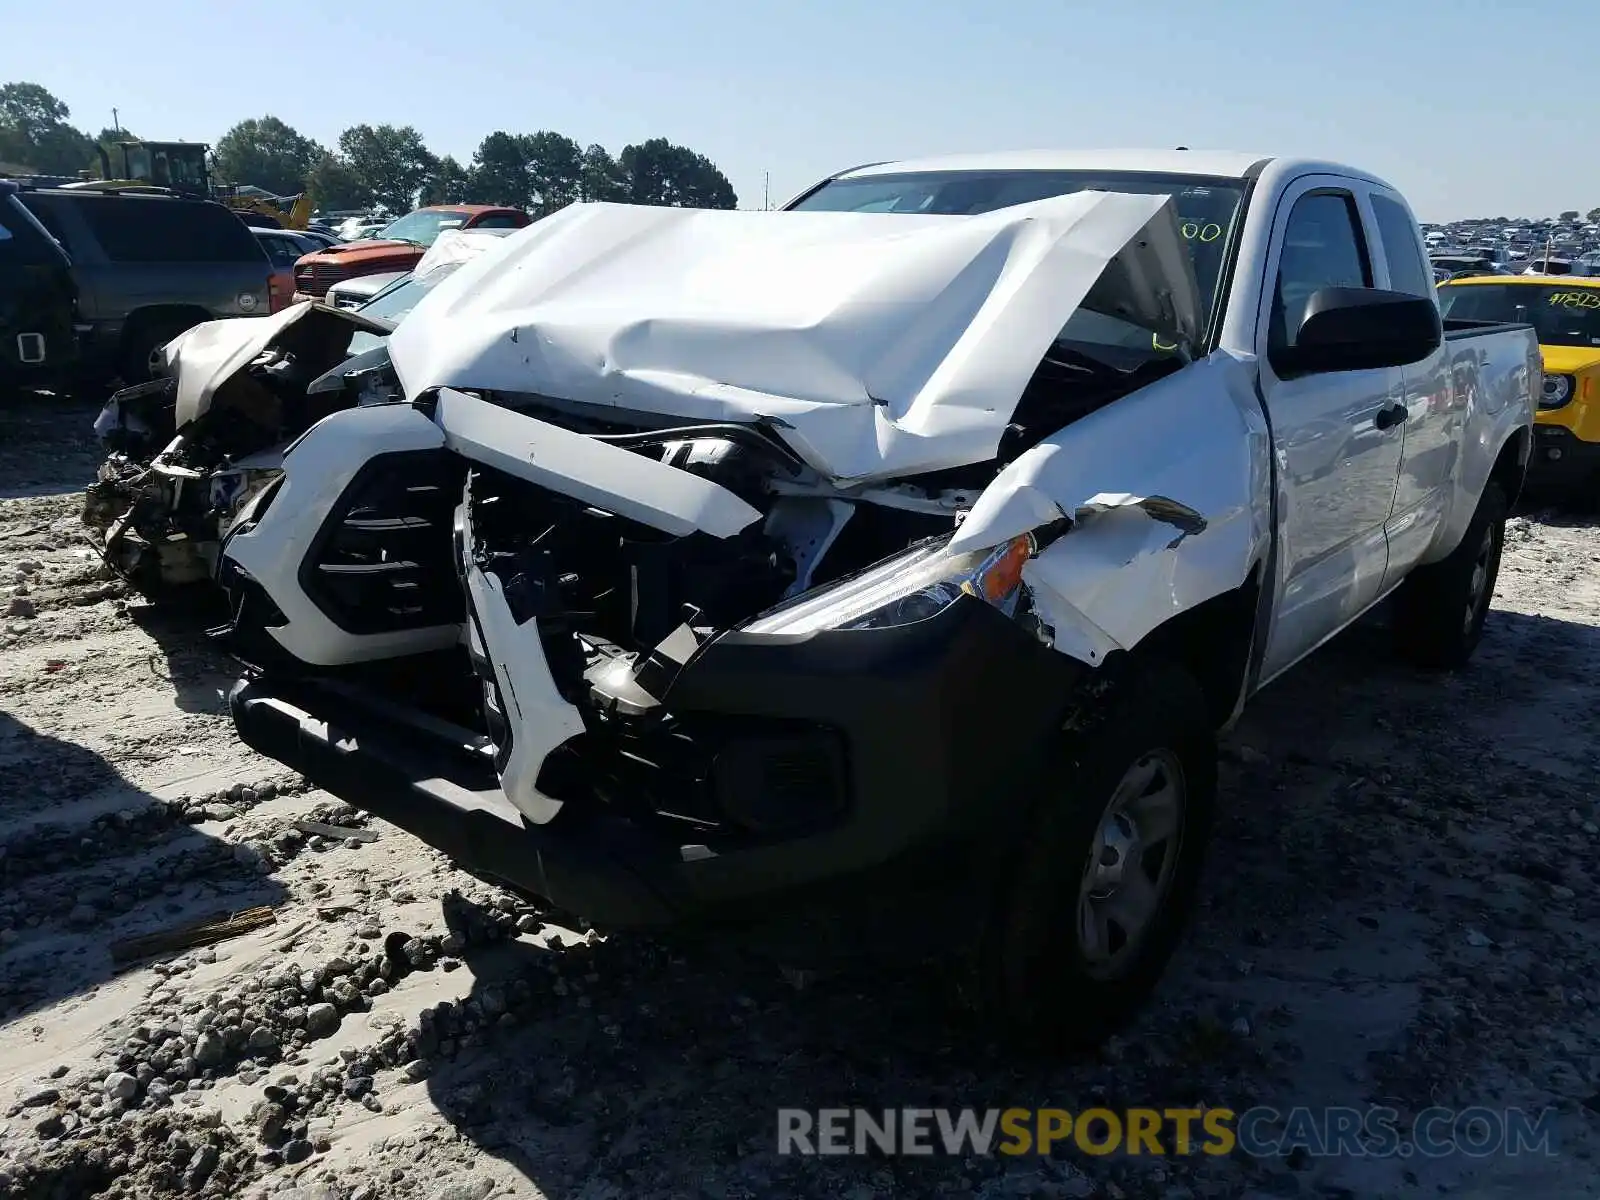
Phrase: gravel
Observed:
(1400, 908)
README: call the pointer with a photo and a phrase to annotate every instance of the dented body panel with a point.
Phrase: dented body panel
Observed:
(1196, 447)
(881, 346)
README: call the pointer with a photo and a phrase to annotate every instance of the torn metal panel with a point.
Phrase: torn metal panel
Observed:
(881, 345)
(616, 480)
(540, 718)
(1168, 496)
(211, 354)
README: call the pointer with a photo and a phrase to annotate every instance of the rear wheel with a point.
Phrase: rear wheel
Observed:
(1441, 608)
(1107, 873)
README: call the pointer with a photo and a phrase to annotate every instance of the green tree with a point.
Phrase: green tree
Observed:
(267, 153)
(447, 183)
(555, 171)
(333, 185)
(659, 172)
(392, 161)
(1592, 215)
(34, 131)
(601, 176)
(500, 170)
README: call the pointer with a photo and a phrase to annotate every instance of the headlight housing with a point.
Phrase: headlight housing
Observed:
(911, 586)
(1558, 390)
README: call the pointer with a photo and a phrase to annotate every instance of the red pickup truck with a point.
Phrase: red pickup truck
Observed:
(399, 247)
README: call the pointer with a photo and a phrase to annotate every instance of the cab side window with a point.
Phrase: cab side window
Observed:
(1398, 232)
(1322, 247)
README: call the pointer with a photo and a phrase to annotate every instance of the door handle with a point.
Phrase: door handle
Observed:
(1388, 418)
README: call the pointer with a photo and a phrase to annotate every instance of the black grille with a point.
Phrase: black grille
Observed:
(382, 560)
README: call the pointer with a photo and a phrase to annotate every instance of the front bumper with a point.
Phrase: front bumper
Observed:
(945, 726)
(1562, 462)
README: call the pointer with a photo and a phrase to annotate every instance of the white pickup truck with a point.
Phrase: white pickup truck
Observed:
(876, 575)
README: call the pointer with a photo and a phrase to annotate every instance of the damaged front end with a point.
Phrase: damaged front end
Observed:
(189, 448)
(721, 648)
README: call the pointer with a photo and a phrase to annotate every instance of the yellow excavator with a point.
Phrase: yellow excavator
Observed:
(184, 168)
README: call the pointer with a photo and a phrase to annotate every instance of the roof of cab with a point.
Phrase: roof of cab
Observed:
(1167, 162)
(1217, 164)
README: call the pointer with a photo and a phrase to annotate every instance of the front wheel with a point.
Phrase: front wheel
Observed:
(1108, 870)
(1441, 607)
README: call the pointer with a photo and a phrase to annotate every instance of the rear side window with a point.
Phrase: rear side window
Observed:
(149, 231)
(282, 252)
(49, 218)
(1398, 233)
(21, 243)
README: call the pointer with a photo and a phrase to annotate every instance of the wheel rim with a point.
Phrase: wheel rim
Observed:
(1131, 863)
(1478, 588)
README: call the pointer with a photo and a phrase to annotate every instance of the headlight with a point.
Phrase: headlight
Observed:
(1557, 391)
(910, 587)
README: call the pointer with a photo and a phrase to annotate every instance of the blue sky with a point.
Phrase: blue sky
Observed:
(1430, 94)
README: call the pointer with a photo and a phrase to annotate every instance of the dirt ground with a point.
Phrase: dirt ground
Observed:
(1400, 909)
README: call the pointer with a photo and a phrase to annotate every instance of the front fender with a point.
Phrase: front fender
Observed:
(1167, 495)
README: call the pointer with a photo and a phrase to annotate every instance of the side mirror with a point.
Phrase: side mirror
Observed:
(1360, 329)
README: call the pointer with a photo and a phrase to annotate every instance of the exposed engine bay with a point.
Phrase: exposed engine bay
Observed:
(169, 490)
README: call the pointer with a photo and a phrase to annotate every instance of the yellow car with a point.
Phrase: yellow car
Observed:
(1565, 311)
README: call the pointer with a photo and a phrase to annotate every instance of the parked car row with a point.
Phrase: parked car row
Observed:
(94, 281)
(399, 247)
(1564, 245)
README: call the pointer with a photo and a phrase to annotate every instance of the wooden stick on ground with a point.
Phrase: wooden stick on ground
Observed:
(202, 933)
(341, 832)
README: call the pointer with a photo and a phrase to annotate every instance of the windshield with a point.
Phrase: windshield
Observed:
(424, 226)
(1207, 210)
(1562, 316)
(392, 304)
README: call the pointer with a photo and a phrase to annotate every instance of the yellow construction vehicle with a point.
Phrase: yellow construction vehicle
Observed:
(184, 168)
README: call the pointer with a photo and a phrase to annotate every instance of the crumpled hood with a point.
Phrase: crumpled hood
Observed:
(879, 345)
(209, 354)
(376, 248)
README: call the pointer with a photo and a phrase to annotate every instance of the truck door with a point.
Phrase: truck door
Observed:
(1338, 459)
(1435, 416)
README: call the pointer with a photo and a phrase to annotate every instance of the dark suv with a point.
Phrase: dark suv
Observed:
(38, 302)
(149, 267)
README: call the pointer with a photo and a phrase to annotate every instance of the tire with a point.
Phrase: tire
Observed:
(1060, 969)
(1440, 608)
(143, 339)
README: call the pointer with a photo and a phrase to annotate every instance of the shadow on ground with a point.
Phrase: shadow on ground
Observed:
(47, 443)
(653, 1071)
(199, 671)
(87, 860)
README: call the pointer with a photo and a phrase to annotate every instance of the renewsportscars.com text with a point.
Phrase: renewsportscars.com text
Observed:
(1261, 1132)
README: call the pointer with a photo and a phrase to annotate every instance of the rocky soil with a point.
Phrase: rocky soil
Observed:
(1400, 909)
